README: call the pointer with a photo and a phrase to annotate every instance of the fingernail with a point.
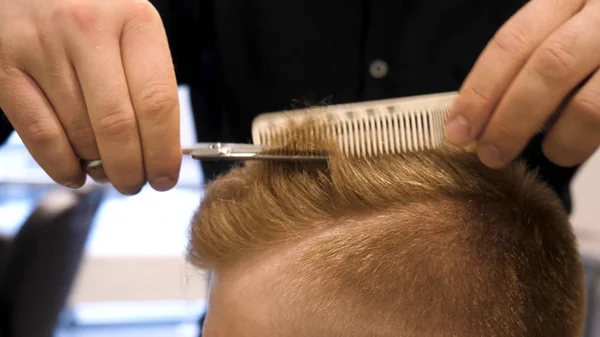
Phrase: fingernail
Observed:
(458, 130)
(99, 176)
(490, 155)
(72, 185)
(162, 184)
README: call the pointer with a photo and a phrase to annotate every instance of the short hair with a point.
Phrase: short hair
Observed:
(428, 243)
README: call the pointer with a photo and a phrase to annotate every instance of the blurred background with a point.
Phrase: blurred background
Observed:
(115, 266)
(120, 260)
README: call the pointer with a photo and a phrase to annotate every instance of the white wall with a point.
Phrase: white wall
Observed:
(586, 203)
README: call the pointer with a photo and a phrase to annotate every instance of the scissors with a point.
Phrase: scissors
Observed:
(229, 151)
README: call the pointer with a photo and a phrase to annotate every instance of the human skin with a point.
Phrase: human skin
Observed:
(544, 52)
(92, 79)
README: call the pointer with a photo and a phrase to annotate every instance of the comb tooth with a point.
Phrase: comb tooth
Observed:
(398, 132)
(388, 134)
(368, 135)
(360, 137)
(423, 129)
(427, 128)
(391, 141)
(415, 128)
(411, 133)
(352, 136)
(438, 123)
(342, 132)
(427, 118)
(413, 139)
(342, 139)
(372, 134)
(337, 133)
(385, 129)
(394, 143)
(445, 112)
(403, 139)
(419, 130)
(433, 127)
(378, 132)
(345, 135)
(439, 127)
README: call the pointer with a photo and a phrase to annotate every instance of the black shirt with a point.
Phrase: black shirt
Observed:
(245, 57)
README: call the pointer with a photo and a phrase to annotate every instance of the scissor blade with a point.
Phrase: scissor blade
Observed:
(221, 148)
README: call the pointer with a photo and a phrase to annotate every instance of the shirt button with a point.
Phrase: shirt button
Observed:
(378, 69)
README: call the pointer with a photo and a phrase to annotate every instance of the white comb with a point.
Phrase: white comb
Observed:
(367, 128)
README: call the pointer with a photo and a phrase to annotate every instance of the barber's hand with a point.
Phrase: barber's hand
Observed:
(536, 59)
(92, 79)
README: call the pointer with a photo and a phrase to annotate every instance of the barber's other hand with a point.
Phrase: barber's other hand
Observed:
(92, 79)
(535, 60)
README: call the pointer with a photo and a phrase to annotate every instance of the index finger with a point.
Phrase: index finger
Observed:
(153, 87)
(500, 62)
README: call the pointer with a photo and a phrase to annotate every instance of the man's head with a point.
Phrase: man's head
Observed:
(422, 244)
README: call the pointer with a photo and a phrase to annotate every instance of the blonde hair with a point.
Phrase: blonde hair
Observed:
(421, 244)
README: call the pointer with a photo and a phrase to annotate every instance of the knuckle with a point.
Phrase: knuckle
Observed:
(18, 44)
(26, 33)
(511, 41)
(480, 94)
(555, 62)
(40, 131)
(85, 15)
(509, 136)
(21, 36)
(144, 12)
(81, 135)
(157, 102)
(115, 121)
